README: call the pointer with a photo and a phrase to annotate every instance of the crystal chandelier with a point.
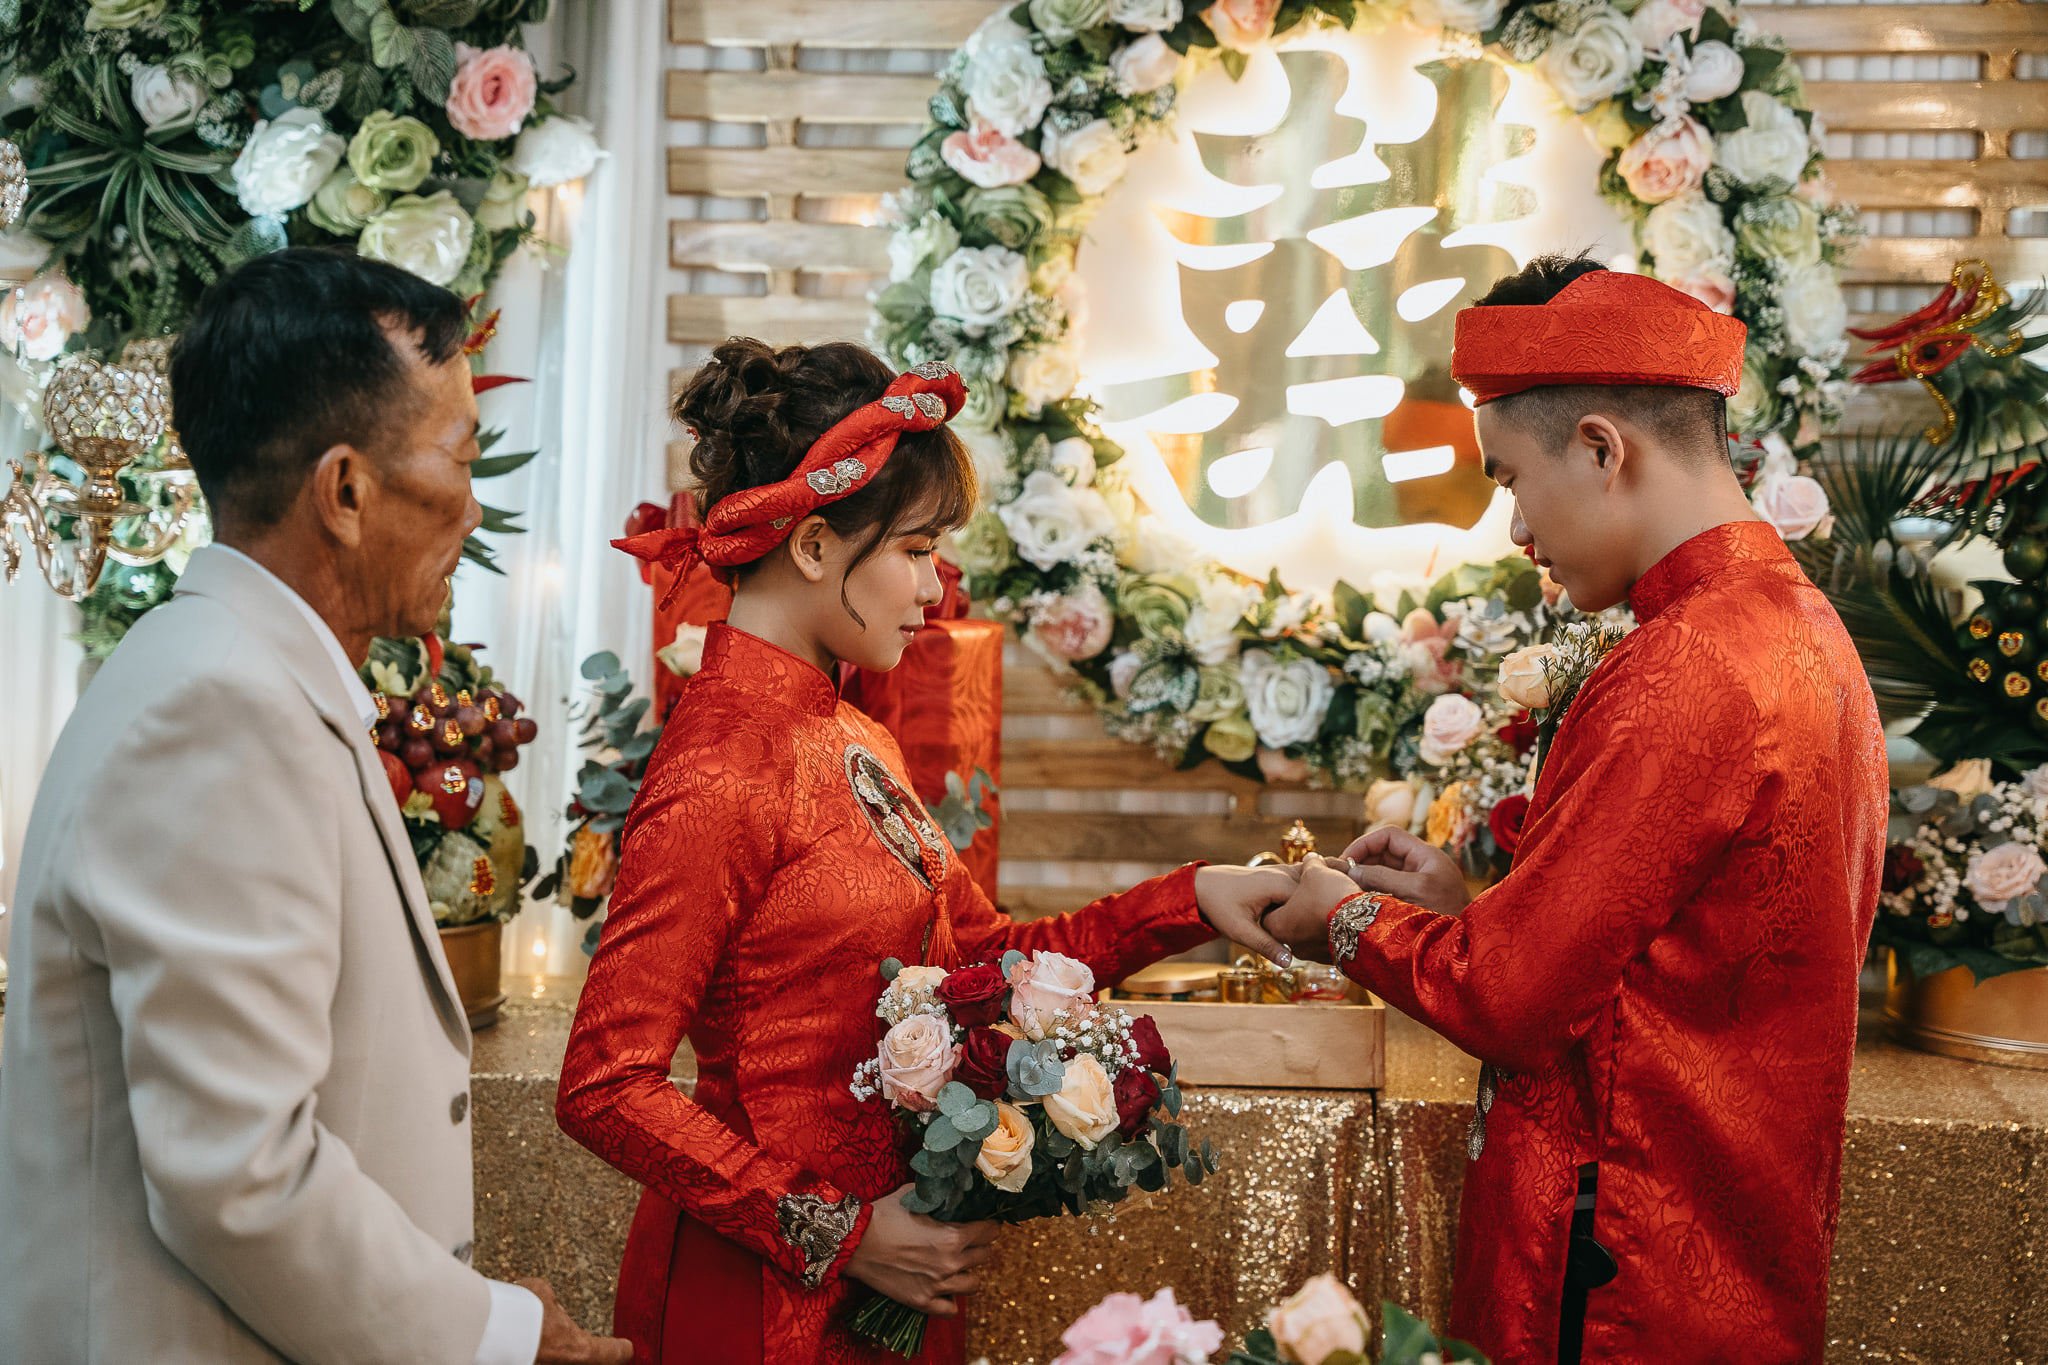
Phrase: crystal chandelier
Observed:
(105, 418)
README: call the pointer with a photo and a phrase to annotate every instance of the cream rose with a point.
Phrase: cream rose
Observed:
(1321, 1319)
(1466, 16)
(989, 157)
(1714, 73)
(556, 151)
(1092, 155)
(1075, 625)
(1522, 680)
(504, 203)
(1211, 628)
(1783, 228)
(1052, 523)
(1074, 460)
(343, 203)
(1060, 20)
(1594, 61)
(1155, 16)
(1004, 81)
(492, 93)
(917, 1059)
(430, 236)
(1044, 374)
(1241, 25)
(164, 97)
(1655, 23)
(1971, 777)
(1085, 1108)
(1390, 801)
(979, 286)
(1285, 701)
(1005, 1156)
(918, 245)
(41, 316)
(683, 655)
(284, 161)
(1793, 504)
(1775, 145)
(1452, 722)
(1815, 312)
(1669, 160)
(1143, 66)
(1710, 287)
(1686, 235)
(2001, 874)
(1755, 404)
(1232, 738)
(1045, 984)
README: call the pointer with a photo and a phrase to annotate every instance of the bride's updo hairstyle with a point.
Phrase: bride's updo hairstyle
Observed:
(756, 411)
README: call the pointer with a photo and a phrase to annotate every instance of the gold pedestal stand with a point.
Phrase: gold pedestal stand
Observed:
(2002, 1021)
(473, 960)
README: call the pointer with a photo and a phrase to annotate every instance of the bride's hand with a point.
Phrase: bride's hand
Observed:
(919, 1261)
(1233, 899)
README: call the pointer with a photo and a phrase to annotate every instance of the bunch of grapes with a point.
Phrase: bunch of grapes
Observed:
(438, 743)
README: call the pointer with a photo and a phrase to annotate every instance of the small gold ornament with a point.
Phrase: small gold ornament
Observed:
(507, 811)
(439, 694)
(453, 780)
(383, 704)
(462, 698)
(421, 721)
(2011, 642)
(1979, 669)
(451, 732)
(490, 709)
(1940, 919)
(2017, 685)
(482, 881)
(1981, 627)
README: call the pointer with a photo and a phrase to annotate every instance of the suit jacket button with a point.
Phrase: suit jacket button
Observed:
(458, 1108)
(466, 1253)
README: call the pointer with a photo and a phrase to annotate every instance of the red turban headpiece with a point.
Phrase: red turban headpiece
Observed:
(1605, 327)
(746, 525)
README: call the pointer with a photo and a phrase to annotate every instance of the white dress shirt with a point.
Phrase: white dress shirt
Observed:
(512, 1333)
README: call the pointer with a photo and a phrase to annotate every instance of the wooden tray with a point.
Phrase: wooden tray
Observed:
(1309, 1047)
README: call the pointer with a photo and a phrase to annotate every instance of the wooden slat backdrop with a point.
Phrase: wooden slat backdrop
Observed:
(1084, 814)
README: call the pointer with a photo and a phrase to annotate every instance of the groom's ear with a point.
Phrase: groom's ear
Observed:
(806, 547)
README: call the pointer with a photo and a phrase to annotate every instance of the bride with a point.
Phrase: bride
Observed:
(776, 855)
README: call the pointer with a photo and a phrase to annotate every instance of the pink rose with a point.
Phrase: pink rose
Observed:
(41, 316)
(1046, 983)
(2004, 873)
(1241, 24)
(1320, 1320)
(1710, 287)
(989, 157)
(918, 1058)
(492, 92)
(1433, 669)
(1794, 504)
(1421, 624)
(1074, 625)
(1126, 1330)
(1278, 767)
(1451, 722)
(1669, 160)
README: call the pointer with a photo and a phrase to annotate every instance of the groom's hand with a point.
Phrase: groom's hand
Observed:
(562, 1342)
(1396, 862)
(1234, 899)
(1304, 921)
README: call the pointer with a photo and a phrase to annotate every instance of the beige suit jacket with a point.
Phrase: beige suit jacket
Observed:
(234, 1099)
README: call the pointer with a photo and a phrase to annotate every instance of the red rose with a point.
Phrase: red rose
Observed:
(1518, 734)
(1505, 820)
(984, 1059)
(1902, 867)
(1152, 1053)
(974, 994)
(1136, 1093)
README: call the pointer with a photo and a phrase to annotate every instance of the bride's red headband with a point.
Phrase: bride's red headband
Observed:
(746, 525)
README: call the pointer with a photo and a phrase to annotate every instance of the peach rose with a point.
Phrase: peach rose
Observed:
(1390, 802)
(2002, 874)
(1710, 287)
(1278, 767)
(918, 1057)
(1321, 1319)
(989, 157)
(42, 315)
(1085, 1108)
(922, 979)
(1006, 1153)
(1450, 823)
(492, 92)
(1522, 682)
(1669, 160)
(1046, 983)
(1241, 24)
(1451, 722)
(1971, 777)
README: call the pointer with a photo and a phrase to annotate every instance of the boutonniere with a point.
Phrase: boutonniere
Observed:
(1544, 679)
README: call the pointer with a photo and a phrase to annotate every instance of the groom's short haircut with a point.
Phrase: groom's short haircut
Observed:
(1688, 422)
(291, 355)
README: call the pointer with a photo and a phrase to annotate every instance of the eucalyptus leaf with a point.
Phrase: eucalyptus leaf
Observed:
(600, 665)
(955, 1099)
(940, 1135)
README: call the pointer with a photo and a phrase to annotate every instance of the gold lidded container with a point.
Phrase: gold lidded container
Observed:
(1172, 981)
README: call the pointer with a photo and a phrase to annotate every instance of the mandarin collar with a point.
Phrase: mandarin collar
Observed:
(1734, 542)
(751, 662)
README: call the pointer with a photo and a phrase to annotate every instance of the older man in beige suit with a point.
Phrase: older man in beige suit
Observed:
(234, 1111)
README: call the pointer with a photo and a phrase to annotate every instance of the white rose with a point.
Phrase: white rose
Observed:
(912, 248)
(1060, 20)
(556, 151)
(1286, 701)
(1157, 548)
(1211, 628)
(2036, 782)
(1774, 146)
(41, 316)
(1586, 66)
(1052, 523)
(1466, 16)
(1655, 23)
(1381, 629)
(1687, 234)
(1716, 72)
(164, 98)
(284, 161)
(430, 236)
(1005, 84)
(1074, 460)
(1319, 1321)
(979, 286)
(1155, 15)
(1815, 312)
(1092, 156)
(1143, 66)
(1793, 504)
(991, 452)
(1451, 722)
(1045, 374)
(504, 203)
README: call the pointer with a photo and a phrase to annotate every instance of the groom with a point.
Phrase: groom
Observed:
(1663, 988)
(234, 1115)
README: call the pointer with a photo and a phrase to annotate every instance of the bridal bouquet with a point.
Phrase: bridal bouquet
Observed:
(1026, 1099)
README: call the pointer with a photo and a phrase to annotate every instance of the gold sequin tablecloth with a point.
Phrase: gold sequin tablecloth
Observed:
(1939, 1261)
